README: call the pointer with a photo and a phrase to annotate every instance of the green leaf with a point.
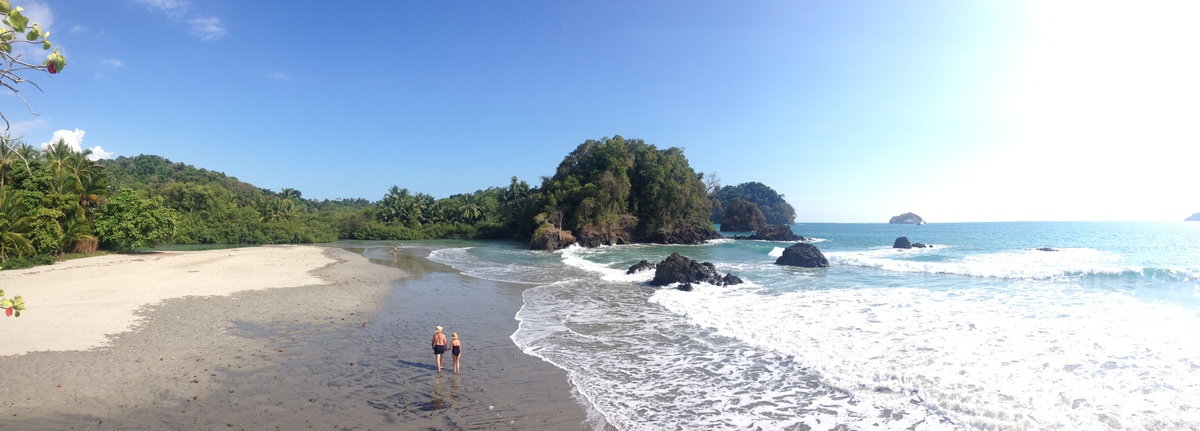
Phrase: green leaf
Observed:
(46, 45)
(1, 290)
(32, 35)
(4, 6)
(17, 20)
(6, 303)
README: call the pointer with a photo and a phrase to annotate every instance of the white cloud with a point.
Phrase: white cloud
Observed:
(207, 28)
(99, 153)
(111, 62)
(168, 6)
(280, 76)
(74, 139)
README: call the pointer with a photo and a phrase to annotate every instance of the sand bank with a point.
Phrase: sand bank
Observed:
(269, 338)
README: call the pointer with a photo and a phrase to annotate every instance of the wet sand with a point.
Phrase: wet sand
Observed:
(348, 351)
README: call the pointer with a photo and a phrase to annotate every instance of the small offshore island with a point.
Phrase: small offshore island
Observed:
(1194, 217)
(907, 218)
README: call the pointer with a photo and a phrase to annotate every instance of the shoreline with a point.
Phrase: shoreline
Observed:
(348, 350)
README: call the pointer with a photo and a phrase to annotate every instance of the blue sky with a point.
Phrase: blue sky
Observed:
(856, 111)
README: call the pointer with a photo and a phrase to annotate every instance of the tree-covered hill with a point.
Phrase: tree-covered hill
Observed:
(618, 191)
(772, 204)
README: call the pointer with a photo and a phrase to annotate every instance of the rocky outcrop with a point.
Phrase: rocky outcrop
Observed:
(550, 238)
(595, 236)
(1194, 217)
(803, 255)
(779, 232)
(639, 267)
(685, 235)
(1046, 249)
(902, 242)
(907, 218)
(679, 269)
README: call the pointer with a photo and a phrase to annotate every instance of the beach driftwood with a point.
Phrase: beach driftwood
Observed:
(803, 255)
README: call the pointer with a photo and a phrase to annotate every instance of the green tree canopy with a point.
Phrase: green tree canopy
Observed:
(772, 204)
(130, 221)
(742, 216)
(614, 191)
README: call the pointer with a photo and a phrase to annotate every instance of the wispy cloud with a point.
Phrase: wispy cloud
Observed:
(111, 62)
(280, 76)
(167, 6)
(207, 28)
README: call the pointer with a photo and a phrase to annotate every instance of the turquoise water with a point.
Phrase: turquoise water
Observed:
(981, 331)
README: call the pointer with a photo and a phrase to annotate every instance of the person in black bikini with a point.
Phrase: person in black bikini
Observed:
(456, 350)
(439, 346)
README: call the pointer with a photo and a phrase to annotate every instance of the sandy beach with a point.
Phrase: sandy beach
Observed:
(285, 337)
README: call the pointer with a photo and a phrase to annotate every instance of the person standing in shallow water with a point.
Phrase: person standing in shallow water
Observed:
(456, 350)
(439, 346)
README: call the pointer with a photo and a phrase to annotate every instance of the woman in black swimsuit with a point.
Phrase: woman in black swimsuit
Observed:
(455, 349)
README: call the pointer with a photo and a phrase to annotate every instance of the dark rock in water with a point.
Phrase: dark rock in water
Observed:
(640, 266)
(907, 218)
(920, 245)
(679, 269)
(1047, 249)
(803, 255)
(686, 235)
(778, 232)
(901, 242)
(1194, 217)
(686, 287)
(730, 280)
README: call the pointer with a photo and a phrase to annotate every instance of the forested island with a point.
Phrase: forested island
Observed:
(56, 202)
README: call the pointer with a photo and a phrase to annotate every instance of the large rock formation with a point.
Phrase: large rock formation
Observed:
(907, 218)
(678, 269)
(1194, 217)
(779, 232)
(550, 239)
(742, 216)
(803, 255)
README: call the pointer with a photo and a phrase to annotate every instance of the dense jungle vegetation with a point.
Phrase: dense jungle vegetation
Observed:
(611, 191)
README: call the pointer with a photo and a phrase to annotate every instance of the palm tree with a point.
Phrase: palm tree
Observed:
(470, 211)
(14, 225)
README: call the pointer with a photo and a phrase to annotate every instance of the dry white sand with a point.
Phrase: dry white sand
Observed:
(74, 305)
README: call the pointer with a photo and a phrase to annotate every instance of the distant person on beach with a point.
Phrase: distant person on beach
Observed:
(456, 349)
(439, 346)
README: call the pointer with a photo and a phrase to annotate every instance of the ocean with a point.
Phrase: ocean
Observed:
(981, 331)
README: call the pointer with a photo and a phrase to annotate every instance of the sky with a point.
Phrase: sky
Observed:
(855, 111)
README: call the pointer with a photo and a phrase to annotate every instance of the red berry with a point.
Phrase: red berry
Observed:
(9, 311)
(50, 68)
